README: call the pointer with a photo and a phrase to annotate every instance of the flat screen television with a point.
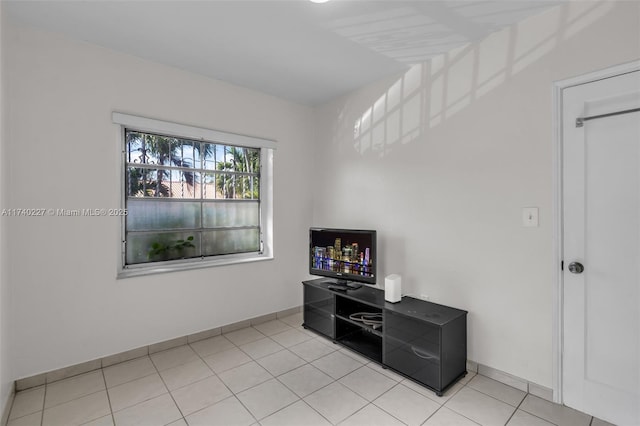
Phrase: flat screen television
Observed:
(348, 255)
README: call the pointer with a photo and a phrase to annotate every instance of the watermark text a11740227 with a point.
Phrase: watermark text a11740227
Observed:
(61, 212)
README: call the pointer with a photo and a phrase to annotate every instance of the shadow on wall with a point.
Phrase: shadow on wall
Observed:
(433, 91)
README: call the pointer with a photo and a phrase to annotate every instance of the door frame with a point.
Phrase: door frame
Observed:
(557, 230)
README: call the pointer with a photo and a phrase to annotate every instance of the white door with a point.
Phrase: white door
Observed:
(601, 234)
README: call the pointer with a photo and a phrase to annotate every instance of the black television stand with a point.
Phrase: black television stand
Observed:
(423, 341)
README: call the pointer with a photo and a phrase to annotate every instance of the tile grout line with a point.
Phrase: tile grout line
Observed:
(535, 415)
(298, 396)
(311, 338)
(219, 352)
(157, 371)
(11, 405)
(517, 408)
(106, 389)
(377, 406)
(254, 360)
(233, 394)
(314, 410)
(449, 399)
(372, 402)
(186, 336)
(498, 399)
(126, 362)
(131, 381)
(272, 377)
(279, 409)
(215, 375)
(313, 366)
(398, 383)
(165, 384)
(44, 398)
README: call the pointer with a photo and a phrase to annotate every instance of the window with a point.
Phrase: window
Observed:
(194, 197)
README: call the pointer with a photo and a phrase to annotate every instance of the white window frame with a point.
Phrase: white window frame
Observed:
(267, 147)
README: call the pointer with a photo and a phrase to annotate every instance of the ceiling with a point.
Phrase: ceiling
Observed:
(297, 50)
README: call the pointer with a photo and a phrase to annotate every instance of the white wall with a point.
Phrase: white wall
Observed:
(448, 154)
(64, 152)
(6, 379)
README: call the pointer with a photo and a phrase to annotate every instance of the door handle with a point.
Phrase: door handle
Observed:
(576, 268)
(422, 354)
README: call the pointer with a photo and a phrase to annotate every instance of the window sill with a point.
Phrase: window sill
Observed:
(165, 267)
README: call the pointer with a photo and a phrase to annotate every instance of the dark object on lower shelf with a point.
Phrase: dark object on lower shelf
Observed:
(423, 341)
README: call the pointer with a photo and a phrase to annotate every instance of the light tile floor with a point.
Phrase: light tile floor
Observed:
(274, 374)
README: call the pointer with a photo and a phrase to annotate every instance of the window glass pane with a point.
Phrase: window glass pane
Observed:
(246, 187)
(211, 154)
(182, 183)
(157, 247)
(226, 185)
(177, 188)
(134, 147)
(196, 148)
(240, 159)
(237, 186)
(162, 150)
(253, 160)
(184, 153)
(230, 241)
(227, 161)
(255, 189)
(209, 190)
(230, 213)
(149, 214)
(142, 182)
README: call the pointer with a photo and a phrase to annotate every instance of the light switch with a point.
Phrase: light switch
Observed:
(530, 216)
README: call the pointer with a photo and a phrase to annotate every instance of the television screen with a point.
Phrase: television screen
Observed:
(344, 254)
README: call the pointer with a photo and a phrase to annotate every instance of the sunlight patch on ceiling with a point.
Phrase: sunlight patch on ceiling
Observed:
(412, 33)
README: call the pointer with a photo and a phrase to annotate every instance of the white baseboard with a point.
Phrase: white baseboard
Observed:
(511, 380)
(51, 376)
(85, 367)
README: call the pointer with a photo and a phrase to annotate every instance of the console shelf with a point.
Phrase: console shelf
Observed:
(423, 341)
(366, 344)
(364, 327)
